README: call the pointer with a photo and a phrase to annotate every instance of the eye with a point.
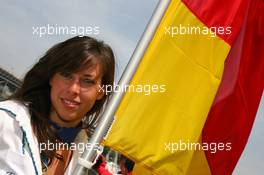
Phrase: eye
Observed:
(87, 82)
(66, 75)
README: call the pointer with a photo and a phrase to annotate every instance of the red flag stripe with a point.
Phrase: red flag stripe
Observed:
(220, 13)
(235, 106)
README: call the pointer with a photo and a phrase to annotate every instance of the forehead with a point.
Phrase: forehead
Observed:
(91, 66)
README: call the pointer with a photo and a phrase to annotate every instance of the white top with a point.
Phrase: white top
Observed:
(19, 148)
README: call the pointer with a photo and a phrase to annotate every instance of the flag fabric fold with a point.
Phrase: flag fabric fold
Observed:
(149, 128)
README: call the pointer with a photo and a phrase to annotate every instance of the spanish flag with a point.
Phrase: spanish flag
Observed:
(205, 68)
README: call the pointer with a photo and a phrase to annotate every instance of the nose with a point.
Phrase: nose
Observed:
(74, 87)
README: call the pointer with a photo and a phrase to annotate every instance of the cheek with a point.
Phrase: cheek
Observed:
(89, 98)
(55, 91)
(53, 95)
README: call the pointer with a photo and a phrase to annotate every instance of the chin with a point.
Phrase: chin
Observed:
(69, 118)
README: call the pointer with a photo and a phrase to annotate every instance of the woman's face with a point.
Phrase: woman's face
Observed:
(73, 95)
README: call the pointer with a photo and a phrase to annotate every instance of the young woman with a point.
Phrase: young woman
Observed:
(58, 102)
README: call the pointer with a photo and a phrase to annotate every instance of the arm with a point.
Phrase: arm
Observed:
(13, 159)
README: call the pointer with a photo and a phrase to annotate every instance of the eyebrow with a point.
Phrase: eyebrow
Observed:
(88, 75)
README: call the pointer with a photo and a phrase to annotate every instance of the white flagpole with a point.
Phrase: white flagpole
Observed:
(87, 158)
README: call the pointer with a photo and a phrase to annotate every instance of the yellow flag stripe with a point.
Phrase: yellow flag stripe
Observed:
(190, 66)
(198, 164)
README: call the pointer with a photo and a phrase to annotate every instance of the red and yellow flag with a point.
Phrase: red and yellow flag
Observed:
(161, 131)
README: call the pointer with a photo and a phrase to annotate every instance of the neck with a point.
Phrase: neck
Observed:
(54, 117)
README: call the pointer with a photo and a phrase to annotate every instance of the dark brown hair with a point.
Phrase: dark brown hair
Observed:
(67, 56)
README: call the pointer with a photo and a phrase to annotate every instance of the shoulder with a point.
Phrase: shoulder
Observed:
(18, 146)
(9, 126)
(12, 106)
(11, 113)
(14, 120)
(81, 137)
(10, 132)
(14, 110)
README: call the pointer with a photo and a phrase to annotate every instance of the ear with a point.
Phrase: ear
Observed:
(100, 95)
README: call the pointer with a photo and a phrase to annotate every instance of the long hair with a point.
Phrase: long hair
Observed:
(67, 56)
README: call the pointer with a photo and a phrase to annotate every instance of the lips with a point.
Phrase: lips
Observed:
(71, 104)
